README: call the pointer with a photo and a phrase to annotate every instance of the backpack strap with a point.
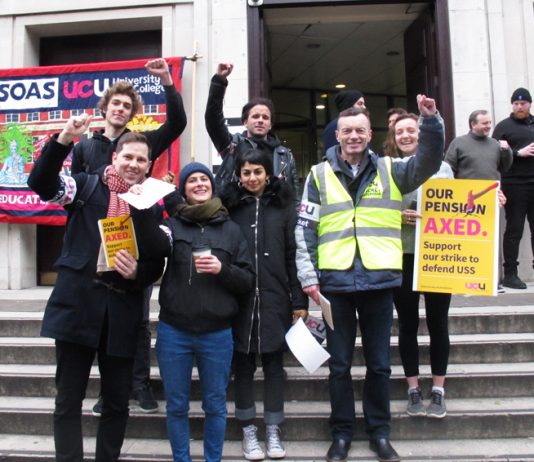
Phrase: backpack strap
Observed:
(87, 190)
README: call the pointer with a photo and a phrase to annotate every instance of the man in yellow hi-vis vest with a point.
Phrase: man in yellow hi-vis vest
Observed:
(349, 250)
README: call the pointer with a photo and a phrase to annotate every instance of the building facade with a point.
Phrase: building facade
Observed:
(490, 52)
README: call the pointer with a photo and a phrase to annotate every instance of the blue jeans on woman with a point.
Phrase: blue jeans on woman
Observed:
(212, 352)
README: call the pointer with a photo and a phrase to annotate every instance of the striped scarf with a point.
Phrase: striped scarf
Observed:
(116, 186)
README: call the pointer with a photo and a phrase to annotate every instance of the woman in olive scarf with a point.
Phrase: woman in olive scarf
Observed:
(199, 299)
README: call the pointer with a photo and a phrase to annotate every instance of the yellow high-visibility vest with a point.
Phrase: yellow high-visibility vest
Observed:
(373, 226)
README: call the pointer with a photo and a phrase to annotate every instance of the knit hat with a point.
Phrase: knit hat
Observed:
(190, 169)
(346, 98)
(521, 94)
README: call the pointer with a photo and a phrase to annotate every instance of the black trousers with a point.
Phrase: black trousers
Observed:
(273, 388)
(519, 205)
(373, 311)
(141, 367)
(437, 314)
(72, 374)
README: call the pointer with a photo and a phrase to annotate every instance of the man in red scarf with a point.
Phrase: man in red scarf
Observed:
(92, 313)
(118, 105)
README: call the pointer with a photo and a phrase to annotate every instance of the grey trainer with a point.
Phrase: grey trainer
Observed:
(415, 404)
(275, 446)
(251, 446)
(436, 409)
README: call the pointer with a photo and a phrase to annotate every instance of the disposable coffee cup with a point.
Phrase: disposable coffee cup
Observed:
(199, 251)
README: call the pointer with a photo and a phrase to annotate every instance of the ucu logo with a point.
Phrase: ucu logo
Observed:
(84, 88)
(475, 286)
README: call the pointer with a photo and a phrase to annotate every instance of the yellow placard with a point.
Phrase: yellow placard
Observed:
(457, 238)
(117, 233)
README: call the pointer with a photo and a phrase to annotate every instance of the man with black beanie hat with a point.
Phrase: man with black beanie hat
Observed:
(344, 99)
(517, 182)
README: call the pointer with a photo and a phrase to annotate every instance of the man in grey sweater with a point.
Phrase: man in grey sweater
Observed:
(476, 156)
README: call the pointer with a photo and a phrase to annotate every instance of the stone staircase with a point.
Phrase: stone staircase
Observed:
(490, 393)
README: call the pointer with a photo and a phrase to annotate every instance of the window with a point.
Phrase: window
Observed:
(33, 117)
(150, 108)
(55, 115)
(12, 118)
(77, 112)
(98, 112)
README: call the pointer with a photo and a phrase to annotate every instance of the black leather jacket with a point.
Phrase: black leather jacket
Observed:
(284, 166)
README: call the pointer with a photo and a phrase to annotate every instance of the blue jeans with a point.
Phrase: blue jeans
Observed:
(212, 353)
(374, 310)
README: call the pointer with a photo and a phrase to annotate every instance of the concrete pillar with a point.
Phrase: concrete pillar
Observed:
(18, 267)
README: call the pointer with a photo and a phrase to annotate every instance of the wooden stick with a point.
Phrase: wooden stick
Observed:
(193, 58)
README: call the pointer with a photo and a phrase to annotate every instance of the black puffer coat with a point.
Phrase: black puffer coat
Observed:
(197, 302)
(268, 223)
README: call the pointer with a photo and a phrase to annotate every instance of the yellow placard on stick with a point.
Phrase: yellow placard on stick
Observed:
(457, 238)
(117, 233)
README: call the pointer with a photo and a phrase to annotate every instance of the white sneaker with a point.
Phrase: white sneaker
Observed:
(275, 446)
(251, 446)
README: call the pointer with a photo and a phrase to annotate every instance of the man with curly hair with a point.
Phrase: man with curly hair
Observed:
(119, 104)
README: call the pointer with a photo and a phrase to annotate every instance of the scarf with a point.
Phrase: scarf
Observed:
(116, 186)
(201, 213)
(267, 144)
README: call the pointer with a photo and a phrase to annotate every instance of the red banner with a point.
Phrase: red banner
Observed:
(36, 103)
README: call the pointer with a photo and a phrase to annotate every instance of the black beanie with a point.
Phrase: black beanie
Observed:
(346, 98)
(521, 94)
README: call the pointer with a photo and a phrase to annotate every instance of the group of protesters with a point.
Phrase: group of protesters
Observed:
(241, 252)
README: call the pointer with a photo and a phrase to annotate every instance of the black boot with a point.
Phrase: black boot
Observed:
(513, 281)
(338, 451)
(384, 450)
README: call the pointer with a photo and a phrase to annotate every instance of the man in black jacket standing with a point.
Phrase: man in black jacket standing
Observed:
(257, 117)
(92, 312)
(517, 182)
(118, 105)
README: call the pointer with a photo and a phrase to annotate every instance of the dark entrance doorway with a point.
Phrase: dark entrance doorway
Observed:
(85, 49)
(390, 51)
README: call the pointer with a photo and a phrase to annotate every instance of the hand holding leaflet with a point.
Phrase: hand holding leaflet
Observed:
(326, 308)
(117, 233)
(303, 345)
(152, 191)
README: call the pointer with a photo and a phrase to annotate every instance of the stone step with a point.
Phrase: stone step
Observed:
(485, 418)
(40, 448)
(34, 298)
(483, 368)
(463, 380)
(462, 320)
(469, 348)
